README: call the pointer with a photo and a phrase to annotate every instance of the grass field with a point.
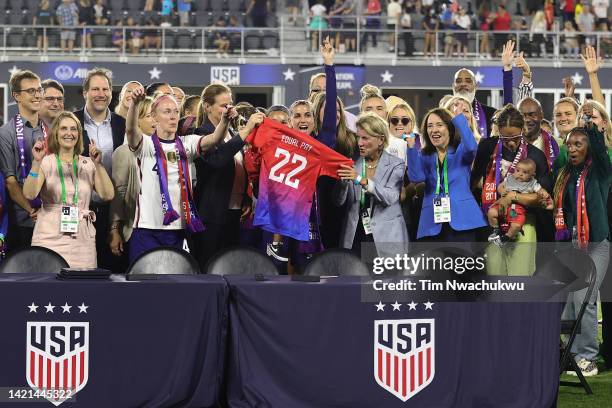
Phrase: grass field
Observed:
(575, 397)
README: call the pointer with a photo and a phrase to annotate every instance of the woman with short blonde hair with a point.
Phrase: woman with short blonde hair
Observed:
(370, 192)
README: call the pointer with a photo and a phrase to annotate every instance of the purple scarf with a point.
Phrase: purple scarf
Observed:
(481, 118)
(170, 215)
(25, 167)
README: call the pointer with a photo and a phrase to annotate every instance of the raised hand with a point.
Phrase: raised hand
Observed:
(519, 62)
(94, 153)
(569, 86)
(508, 55)
(457, 108)
(138, 95)
(230, 112)
(327, 52)
(590, 60)
(38, 150)
(255, 120)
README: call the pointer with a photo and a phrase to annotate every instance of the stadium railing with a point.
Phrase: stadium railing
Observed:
(287, 42)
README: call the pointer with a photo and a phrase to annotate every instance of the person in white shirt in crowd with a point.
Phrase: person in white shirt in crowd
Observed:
(394, 12)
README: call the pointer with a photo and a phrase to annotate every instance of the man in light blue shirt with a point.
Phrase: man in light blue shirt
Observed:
(107, 130)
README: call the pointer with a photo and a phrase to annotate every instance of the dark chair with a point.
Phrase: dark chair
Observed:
(217, 5)
(117, 5)
(236, 5)
(102, 39)
(241, 261)
(252, 41)
(33, 259)
(576, 270)
(15, 39)
(18, 5)
(16, 17)
(336, 262)
(270, 41)
(169, 38)
(185, 39)
(202, 18)
(164, 261)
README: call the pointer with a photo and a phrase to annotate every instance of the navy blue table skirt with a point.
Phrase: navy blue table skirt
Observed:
(295, 344)
(151, 344)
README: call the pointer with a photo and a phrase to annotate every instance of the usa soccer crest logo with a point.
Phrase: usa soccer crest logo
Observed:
(404, 355)
(57, 359)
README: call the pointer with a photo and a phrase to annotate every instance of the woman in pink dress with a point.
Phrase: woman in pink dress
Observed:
(65, 181)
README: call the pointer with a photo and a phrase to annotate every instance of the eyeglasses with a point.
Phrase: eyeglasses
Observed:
(394, 121)
(32, 91)
(51, 99)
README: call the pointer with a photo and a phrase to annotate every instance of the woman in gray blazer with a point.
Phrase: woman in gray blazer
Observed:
(371, 192)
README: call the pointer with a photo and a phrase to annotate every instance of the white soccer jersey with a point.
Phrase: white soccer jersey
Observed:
(397, 147)
(149, 212)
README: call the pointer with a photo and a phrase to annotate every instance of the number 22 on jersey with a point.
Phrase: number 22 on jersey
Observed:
(290, 178)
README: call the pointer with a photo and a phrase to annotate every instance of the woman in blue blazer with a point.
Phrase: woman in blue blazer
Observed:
(444, 164)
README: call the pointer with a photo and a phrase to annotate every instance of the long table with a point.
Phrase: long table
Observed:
(311, 345)
(136, 344)
(208, 341)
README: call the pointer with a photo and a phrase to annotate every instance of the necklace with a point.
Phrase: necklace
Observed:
(372, 166)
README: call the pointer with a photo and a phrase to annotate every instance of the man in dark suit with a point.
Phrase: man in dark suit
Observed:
(107, 129)
(464, 85)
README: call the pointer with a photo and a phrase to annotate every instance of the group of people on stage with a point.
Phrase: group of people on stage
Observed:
(168, 169)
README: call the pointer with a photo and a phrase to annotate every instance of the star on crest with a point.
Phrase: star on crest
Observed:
(66, 308)
(83, 308)
(49, 307)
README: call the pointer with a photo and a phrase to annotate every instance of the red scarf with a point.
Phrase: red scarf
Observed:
(582, 217)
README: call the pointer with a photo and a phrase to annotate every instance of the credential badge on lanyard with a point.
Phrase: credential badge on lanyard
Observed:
(69, 219)
(441, 202)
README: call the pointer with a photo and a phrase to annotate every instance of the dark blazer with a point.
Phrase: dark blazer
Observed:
(117, 126)
(215, 176)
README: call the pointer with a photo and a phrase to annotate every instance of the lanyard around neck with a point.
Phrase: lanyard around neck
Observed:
(445, 175)
(75, 198)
